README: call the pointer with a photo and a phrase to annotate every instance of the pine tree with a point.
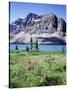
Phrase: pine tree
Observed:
(63, 49)
(27, 48)
(36, 45)
(16, 47)
(31, 43)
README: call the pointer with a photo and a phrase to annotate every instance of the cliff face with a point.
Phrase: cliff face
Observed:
(38, 26)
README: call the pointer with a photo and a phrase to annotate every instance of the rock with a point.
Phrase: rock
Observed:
(33, 24)
(61, 25)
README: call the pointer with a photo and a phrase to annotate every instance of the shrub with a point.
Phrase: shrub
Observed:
(64, 67)
(60, 68)
(52, 80)
(27, 69)
(30, 64)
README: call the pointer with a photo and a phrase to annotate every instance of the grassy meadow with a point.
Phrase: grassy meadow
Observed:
(37, 68)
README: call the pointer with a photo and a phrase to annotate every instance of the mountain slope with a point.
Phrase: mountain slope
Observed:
(49, 29)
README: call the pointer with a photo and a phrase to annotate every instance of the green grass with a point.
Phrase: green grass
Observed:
(31, 69)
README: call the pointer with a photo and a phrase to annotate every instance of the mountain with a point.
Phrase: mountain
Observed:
(48, 28)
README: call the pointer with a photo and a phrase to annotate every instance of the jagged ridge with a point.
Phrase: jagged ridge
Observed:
(35, 25)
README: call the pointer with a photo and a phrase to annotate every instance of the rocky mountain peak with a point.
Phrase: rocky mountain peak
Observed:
(31, 16)
(47, 24)
(18, 21)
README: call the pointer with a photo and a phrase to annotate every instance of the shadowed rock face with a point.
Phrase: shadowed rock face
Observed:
(38, 24)
(61, 25)
(53, 40)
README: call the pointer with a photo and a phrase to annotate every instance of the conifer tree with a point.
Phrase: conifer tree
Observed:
(27, 48)
(36, 44)
(16, 47)
(31, 43)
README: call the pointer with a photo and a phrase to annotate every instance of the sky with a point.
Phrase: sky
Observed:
(21, 9)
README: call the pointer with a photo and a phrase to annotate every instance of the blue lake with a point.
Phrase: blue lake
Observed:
(41, 47)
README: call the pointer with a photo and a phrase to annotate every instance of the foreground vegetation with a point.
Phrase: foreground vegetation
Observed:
(37, 68)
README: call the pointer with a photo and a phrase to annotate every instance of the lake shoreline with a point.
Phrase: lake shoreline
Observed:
(41, 47)
(34, 44)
